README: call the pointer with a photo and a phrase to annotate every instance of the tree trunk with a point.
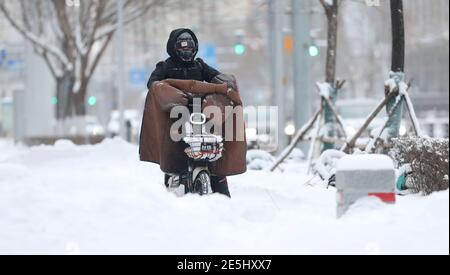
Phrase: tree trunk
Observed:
(79, 102)
(397, 67)
(332, 12)
(64, 86)
(70, 104)
(332, 17)
(398, 36)
(79, 105)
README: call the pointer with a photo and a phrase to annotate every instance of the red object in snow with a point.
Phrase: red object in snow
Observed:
(385, 197)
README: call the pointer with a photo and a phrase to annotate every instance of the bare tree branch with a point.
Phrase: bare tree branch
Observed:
(99, 55)
(45, 45)
(66, 37)
(325, 5)
(130, 16)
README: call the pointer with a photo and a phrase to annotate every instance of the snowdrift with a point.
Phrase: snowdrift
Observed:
(68, 199)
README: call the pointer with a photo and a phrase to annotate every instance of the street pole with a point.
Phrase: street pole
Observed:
(280, 93)
(120, 67)
(271, 47)
(301, 21)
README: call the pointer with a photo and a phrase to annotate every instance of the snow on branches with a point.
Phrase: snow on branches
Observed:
(71, 38)
(428, 160)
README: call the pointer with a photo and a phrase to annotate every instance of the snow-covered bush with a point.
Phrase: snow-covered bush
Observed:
(428, 159)
(326, 165)
(297, 155)
(259, 160)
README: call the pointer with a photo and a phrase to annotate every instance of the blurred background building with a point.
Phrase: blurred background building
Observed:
(235, 37)
(12, 74)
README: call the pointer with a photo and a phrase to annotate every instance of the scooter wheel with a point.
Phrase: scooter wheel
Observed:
(202, 184)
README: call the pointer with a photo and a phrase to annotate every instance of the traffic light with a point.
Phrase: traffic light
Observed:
(240, 49)
(54, 100)
(92, 101)
(288, 44)
(313, 50)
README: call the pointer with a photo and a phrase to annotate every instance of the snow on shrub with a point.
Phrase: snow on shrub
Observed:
(297, 155)
(428, 159)
(259, 160)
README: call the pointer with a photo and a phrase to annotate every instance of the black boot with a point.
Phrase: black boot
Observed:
(219, 185)
(166, 180)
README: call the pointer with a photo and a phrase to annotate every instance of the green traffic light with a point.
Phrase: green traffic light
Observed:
(92, 100)
(313, 51)
(54, 100)
(240, 49)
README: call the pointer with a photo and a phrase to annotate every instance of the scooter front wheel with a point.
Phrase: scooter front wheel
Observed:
(202, 184)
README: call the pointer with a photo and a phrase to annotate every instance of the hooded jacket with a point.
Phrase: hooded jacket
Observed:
(175, 68)
(156, 146)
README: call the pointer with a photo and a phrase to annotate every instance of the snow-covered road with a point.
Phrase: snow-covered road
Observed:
(69, 199)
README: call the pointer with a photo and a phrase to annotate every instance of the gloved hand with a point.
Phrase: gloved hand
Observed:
(228, 79)
(169, 97)
(234, 96)
(232, 87)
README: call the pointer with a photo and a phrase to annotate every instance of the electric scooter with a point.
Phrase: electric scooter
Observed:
(202, 149)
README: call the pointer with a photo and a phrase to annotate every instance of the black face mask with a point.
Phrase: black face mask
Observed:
(185, 47)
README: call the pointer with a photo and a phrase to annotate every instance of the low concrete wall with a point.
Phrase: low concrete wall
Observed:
(78, 140)
(360, 176)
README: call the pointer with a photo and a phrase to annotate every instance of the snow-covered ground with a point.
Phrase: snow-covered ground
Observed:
(69, 199)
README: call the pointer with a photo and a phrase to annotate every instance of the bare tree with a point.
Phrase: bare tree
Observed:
(398, 36)
(71, 36)
(332, 12)
(331, 8)
(397, 74)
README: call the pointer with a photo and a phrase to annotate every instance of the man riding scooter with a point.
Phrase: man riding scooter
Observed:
(172, 84)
